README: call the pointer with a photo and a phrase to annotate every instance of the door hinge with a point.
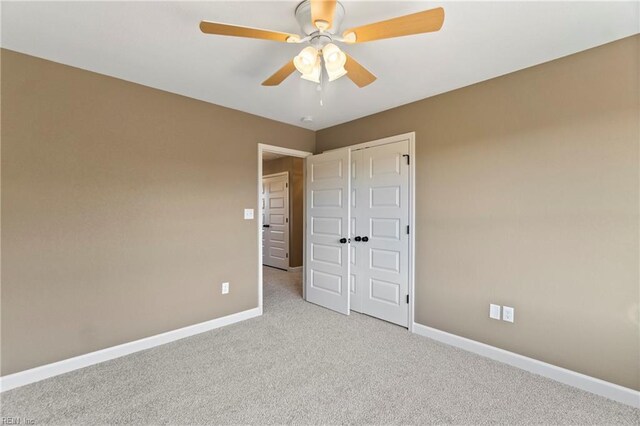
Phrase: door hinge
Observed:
(408, 158)
(288, 256)
(407, 298)
(407, 229)
(287, 220)
(286, 185)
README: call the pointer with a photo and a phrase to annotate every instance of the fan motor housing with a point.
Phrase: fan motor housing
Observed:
(320, 40)
(303, 16)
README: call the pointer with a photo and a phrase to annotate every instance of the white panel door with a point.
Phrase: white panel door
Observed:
(275, 221)
(327, 233)
(358, 227)
(382, 241)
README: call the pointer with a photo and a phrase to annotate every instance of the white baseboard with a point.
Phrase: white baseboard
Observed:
(581, 381)
(295, 268)
(25, 377)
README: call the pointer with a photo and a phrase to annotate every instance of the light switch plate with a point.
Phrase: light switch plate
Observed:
(508, 313)
(494, 311)
(248, 214)
(225, 288)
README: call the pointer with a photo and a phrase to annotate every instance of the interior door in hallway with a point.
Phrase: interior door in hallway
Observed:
(380, 240)
(275, 221)
(327, 230)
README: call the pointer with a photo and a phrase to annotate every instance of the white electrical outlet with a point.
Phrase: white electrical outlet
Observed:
(248, 214)
(225, 288)
(494, 311)
(508, 313)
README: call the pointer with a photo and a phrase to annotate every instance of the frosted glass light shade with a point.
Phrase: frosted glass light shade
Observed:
(314, 73)
(334, 61)
(306, 60)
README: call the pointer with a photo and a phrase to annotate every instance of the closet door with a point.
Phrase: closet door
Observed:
(384, 239)
(358, 227)
(328, 216)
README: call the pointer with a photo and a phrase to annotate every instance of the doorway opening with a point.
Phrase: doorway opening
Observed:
(281, 217)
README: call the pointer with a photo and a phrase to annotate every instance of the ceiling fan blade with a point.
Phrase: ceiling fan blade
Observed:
(357, 73)
(238, 31)
(322, 12)
(280, 75)
(416, 23)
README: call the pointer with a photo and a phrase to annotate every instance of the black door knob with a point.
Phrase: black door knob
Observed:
(343, 240)
(266, 226)
(358, 238)
(365, 239)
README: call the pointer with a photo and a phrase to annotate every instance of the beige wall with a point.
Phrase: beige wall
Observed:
(122, 210)
(294, 166)
(528, 196)
(116, 199)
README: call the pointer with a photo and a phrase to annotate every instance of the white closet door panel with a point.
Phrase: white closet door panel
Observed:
(328, 220)
(357, 227)
(385, 256)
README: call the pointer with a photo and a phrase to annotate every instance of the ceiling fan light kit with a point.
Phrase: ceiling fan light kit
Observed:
(320, 20)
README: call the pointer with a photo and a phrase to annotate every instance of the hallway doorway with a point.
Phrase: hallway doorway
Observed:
(281, 216)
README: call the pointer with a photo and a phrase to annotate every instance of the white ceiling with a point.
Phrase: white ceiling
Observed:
(158, 44)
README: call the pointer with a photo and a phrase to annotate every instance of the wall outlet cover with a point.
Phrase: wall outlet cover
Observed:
(248, 214)
(494, 311)
(225, 288)
(508, 313)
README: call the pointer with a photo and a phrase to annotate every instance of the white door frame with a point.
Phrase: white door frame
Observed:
(290, 153)
(411, 136)
(288, 221)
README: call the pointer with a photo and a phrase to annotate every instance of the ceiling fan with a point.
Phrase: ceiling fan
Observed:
(320, 21)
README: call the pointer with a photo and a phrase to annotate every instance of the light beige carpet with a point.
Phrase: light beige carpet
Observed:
(300, 363)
